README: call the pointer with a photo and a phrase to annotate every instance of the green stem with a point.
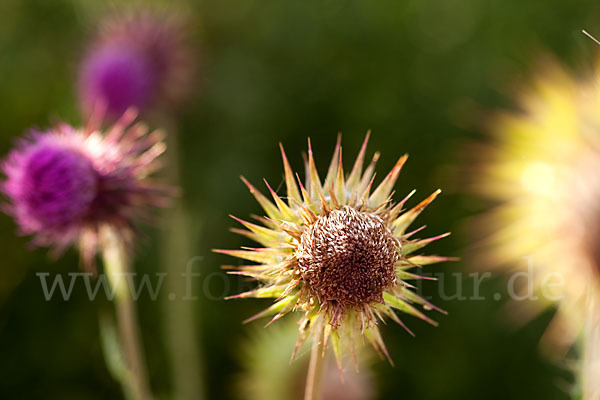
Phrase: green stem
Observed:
(116, 264)
(181, 308)
(315, 367)
(591, 350)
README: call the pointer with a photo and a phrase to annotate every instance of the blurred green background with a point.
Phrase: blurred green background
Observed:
(419, 73)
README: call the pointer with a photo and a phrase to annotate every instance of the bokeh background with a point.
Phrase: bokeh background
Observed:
(421, 74)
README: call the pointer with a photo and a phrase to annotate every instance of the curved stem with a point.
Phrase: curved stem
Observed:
(116, 263)
(315, 367)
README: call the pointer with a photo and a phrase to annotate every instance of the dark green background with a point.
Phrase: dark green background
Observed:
(419, 73)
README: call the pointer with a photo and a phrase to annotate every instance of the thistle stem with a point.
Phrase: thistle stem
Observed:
(591, 351)
(315, 367)
(116, 263)
(180, 311)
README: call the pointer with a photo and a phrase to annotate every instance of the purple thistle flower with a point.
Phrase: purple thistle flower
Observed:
(139, 59)
(65, 184)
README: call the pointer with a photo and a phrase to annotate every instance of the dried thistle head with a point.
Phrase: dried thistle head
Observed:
(338, 252)
(348, 256)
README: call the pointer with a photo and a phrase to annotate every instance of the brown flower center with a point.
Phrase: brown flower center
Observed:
(348, 256)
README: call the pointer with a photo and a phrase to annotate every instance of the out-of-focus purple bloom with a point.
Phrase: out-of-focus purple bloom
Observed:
(64, 184)
(139, 59)
(120, 76)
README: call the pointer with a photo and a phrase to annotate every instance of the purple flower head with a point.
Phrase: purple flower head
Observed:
(118, 76)
(64, 185)
(139, 59)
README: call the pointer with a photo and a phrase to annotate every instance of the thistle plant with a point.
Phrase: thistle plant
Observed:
(338, 252)
(86, 187)
(541, 170)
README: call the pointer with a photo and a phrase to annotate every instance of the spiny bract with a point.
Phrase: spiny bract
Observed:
(337, 251)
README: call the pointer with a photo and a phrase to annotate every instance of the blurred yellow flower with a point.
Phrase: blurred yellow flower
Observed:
(541, 168)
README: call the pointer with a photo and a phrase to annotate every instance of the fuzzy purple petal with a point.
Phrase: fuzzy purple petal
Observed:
(51, 185)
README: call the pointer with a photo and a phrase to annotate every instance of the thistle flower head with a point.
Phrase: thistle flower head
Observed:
(64, 185)
(542, 171)
(338, 252)
(139, 59)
